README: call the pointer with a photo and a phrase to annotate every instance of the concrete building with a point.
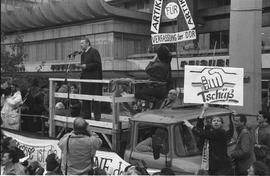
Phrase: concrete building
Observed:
(120, 30)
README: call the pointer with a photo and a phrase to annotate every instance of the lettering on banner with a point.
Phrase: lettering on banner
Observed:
(173, 37)
(187, 14)
(171, 10)
(156, 16)
(109, 165)
(214, 85)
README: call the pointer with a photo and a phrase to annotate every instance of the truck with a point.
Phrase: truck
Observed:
(178, 149)
(182, 151)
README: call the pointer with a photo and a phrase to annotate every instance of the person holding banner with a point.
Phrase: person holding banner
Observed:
(159, 70)
(78, 149)
(215, 158)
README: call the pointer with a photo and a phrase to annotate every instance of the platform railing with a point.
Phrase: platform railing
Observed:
(104, 127)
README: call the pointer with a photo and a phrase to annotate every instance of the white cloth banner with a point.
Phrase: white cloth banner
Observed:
(39, 149)
(173, 37)
(187, 14)
(156, 16)
(214, 85)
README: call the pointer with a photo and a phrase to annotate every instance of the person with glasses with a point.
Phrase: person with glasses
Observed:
(171, 100)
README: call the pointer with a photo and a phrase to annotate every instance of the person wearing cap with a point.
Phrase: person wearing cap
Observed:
(10, 112)
(78, 149)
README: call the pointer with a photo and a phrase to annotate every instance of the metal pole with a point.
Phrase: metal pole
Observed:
(51, 109)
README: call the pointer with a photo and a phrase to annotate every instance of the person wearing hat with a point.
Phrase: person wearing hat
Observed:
(10, 112)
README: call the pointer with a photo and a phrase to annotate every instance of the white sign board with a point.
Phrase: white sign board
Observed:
(173, 37)
(156, 16)
(213, 85)
(39, 149)
(186, 13)
(172, 10)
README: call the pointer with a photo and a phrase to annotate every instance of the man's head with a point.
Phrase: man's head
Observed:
(4, 83)
(51, 162)
(9, 156)
(80, 126)
(85, 43)
(240, 120)
(172, 94)
(13, 87)
(9, 143)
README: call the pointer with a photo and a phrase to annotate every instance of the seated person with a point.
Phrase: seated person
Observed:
(161, 137)
(171, 101)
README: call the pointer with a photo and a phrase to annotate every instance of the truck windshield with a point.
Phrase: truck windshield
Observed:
(185, 141)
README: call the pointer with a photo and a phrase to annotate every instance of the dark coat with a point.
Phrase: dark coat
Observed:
(243, 154)
(93, 70)
(219, 162)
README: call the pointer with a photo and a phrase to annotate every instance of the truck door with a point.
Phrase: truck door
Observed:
(147, 137)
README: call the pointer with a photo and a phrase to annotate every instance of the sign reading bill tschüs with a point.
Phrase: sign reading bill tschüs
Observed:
(173, 37)
(213, 85)
(156, 16)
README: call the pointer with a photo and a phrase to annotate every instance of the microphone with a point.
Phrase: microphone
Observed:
(75, 53)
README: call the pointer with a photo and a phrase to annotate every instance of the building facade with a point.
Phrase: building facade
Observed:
(120, 30)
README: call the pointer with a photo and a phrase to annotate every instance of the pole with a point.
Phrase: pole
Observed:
(245, 50)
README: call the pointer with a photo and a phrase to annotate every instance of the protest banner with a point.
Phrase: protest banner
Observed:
(213, 85)
(39, 149)
(187, 14)
(173, 37)
(156, 16)
(171, 10)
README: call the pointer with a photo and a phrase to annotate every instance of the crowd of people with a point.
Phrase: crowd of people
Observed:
(252, 148)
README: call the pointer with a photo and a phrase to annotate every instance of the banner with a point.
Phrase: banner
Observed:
(35, 149)
(39, 149)
(187, 14)
(213, 85)
(173, 37)
(156, 16)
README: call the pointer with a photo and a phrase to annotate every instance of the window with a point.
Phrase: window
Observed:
(185, 141)
(219, 40)
(150, 136)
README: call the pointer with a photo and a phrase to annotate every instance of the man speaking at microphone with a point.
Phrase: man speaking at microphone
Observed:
(91, 69)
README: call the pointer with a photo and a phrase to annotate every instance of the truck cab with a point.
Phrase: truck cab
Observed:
(159, 139)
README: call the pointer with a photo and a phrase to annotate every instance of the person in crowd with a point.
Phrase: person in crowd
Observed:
(4, 90)
(160, 135)
(75, 105)
(158, 70)
(91, 69)
(243, 154)
(97, 171)
(11, 144)
(35, 168)
(52, 165)
(258, 168)
(218, 160)
(78, 148)
(11, 164)
(10, 112)
(135, 170)
(171, 101)
(262, 138)
(125, 109)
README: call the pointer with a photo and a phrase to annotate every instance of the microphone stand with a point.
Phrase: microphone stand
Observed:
(68, 113)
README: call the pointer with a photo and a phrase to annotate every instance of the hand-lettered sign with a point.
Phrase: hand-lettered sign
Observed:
(213, 85)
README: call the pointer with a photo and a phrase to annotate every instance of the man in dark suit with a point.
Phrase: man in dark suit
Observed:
(91, 69)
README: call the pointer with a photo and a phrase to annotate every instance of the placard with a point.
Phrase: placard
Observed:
(173, 37)
(156, 16)
(213, 85)
(39, 149)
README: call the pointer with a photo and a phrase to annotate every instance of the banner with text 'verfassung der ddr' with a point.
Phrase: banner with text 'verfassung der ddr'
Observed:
(214, 85)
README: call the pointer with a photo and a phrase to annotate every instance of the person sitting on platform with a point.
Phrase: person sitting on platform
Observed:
(159, 71)
(171, 101)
